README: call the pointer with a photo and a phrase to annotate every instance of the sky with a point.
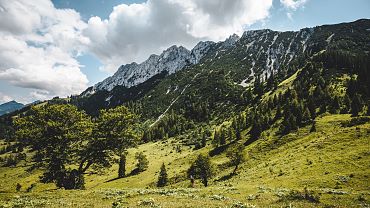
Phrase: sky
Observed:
(54, 48)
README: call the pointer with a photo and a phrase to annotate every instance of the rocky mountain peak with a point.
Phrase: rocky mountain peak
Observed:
(229, 42)
(171, 60)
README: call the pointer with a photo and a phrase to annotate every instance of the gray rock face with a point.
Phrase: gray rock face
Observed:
(265, 51)
(171, 60)
(231, 41)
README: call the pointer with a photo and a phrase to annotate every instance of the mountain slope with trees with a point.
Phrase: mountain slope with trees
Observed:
(10, 107)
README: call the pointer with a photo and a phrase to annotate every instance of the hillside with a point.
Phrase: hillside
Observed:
(274, 167)
(280, 119)
(10, 107)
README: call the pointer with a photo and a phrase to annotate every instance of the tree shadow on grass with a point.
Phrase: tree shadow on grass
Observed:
(113, 179)
(225, 177)
(220, 149)
(132, 173)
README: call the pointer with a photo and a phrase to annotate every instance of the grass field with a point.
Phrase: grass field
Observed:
(331, 164)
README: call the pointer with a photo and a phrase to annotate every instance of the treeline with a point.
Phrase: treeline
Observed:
(225, 134)
(171, 124)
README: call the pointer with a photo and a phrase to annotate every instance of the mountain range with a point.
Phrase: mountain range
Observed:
(10, 107)
(257, 54)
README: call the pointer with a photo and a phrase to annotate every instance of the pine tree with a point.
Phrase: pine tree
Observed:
(204, 140)
(216, 138)
(306, 115)
(356, 105)
(347, 104)
(335, 105)
(162, 178)
(222, 136)
(258, 87)
(312, 107)
(278, 112)
(318, 93)
(293, 122)
(238, 133)
(230, 134)
(285, 126)
(256, 130)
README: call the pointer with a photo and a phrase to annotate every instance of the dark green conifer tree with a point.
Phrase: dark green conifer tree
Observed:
(162, 178)
(356, 105)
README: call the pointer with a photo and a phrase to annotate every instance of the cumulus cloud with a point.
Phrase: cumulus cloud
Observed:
(293, 4)
(39, 45)
(5, 98)
(133, 32)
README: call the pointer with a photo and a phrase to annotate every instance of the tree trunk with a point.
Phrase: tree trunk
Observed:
(205, 182)
(122, 166)
(236, 168)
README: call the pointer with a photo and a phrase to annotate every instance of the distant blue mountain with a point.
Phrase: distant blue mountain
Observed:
(10, 107)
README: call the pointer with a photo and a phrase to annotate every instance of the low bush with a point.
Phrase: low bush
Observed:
(306, 194)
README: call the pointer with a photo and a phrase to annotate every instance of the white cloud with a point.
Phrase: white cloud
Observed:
(5, 98)
(48, 68)
(293, 4)
(39, 45)
(133, 32)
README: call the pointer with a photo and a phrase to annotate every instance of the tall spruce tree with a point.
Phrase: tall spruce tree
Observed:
(162, 178)
(256, 130)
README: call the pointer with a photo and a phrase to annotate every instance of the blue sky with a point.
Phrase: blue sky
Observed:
(93, 38)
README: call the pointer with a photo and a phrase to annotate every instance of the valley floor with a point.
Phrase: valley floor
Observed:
(331, 164)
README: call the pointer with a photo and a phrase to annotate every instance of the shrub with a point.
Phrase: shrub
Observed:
(148, 203)
(29, 189)
(18, 187)
(305, 195)
(202, 169)
(142, 162)
(10, 161)
(119, 203)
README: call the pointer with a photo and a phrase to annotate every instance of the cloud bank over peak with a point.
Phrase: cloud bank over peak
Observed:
(40, 44)
(133, 32)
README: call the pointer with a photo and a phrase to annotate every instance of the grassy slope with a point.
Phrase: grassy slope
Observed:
(334, 162)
